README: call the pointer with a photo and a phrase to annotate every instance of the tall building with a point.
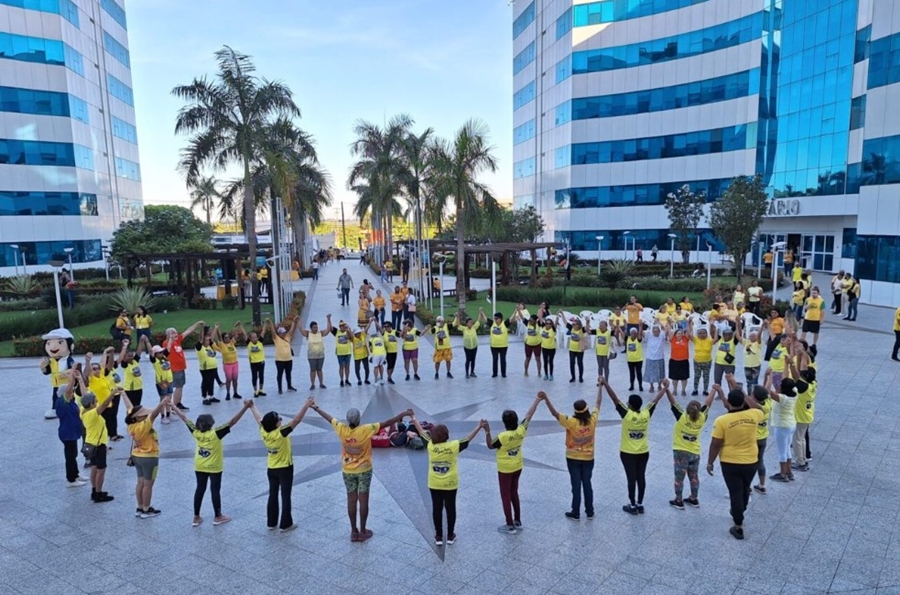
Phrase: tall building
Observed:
(69, 165)
(620, 102)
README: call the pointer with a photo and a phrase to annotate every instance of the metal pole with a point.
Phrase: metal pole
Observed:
(774, 276)
(343, 225)
(599, 248)
(16, 260)
(441, 267)
(494, 285)
(698, 248)
(672, 259)
(24, 264)
(59, 310)
(709, 267)
(71, 268)
(760, 263)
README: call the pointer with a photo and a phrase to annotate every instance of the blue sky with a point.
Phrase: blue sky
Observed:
(441, 61)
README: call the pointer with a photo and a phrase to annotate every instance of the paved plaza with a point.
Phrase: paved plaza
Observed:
(835, 529)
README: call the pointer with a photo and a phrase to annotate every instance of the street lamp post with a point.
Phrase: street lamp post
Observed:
(56, 264)
(625, 236)
(672, 237)
(15, 248)
(69, 251)
(709, 247)
(759, 264)
(441, 273)
(775, 248)
(599, 253)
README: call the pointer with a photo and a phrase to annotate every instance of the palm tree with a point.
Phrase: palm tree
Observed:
(205, 195)
(458, 164)
(227, 118)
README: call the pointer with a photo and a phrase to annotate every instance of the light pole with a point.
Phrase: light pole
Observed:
(15, 248)
(625, 236)
(105, 251)
(775, 248)
(672, 237)
(759, 264)
(56, 264)
(441, 273)
(599, 253)
(709, 265)
(69, 251)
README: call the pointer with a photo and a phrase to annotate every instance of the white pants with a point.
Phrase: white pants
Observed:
(783, 438)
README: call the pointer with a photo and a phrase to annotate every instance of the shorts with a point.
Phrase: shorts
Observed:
(231, 371)
(146, 467)
(358, 482)
(378, 360)
(178, 379)
(811, 326)
(409, 354)
(315, 364)
(164, 392)
(532, 350)
(98, 461)
(344, 360)
(442, 355)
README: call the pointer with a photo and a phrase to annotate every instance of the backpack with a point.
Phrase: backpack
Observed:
(117, 333)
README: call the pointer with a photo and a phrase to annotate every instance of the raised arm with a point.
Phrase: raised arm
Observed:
(550, 407)
(397, 418)
(713, 391)
(299, 417)
(325, 415)
(160, 408)
(664, 388)
(192, 328)
(254, 411)
(237, 416)
(475, 431)
(122, 351)
(534, 405)
(611, 392)
(328, 326)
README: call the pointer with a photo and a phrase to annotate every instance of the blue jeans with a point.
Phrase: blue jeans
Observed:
(580, 473)
(851, 311)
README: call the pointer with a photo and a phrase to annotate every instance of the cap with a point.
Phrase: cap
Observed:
(281, 330)
(59, 333)
(157, 349)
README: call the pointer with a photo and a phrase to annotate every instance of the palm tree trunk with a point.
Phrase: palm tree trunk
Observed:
(250, 230)
(209, 211)
(460, 257)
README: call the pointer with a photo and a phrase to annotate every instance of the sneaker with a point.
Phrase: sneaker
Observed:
(467, 374)
(291, 389)
(589, 515)
(391, 381)
(280, 392)
(679, 504)
(366, 382)
(138, 512)
(183, 407)
(493, 375)
(165, 420)
(760, 489)
(640, 508)
(630, 388)
(342, 383)
(215, 400)
(581, 380)
(737, 533)
(694, 393)
(102, 497)
(511, 529)
(573, 515)
(207, 402)
(312, 387)
(451, 539)
(150, 513)
(407, 376)
(228, 397)
(630, 509)
(804, 467)
(438, 540)
(551, 377)
(196, 522)
(291, 528)
(238, 397)
(571, 380)
(778, 477)
(354, 535)
(790, 477)
(518, 524)
(449, 375)
(262, 393)
(221, 520)
(320, 386)
(416, 376)
(546, 377)
(75, 484)
(693, 502)
(472, 375)
(359, 383)
(365, 535)
(436, 376)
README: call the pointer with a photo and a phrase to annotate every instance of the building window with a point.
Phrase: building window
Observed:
(645, 239)
(116, 49)
(113, 9)
(878, 258)
(880, 165)
(858, 112)
(124, 130)
(40, 51)
(863, 41)
(47, 203)
(523, 96)
(563, 69)
(27, 152)
(634, 195)
(561, 157)
(564, 23)
(523, 20)
(524, 132)
(848, 243)
(701, 142)
(608, 11)
(562, 114)
(84, 157)
(128, 169)
(884, 61)
(64, 8)
(524, 168)
(42, 103)
(524, 58)
(685, 45)
(120, 90)
(79, 109)
(43, 252)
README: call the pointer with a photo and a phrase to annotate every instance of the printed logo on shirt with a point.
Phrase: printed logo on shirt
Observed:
(636, 435)
(496, 330)
(204, 453)
(441, 469)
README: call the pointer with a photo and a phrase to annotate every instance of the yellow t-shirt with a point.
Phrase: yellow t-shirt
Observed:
(343, 342)
(228, 351)
(360, 347)
(162, 374)
(897, 320)
(376, 345)
(278, 447)
(94, 427)
(379, 302)
(256, 352)
(124, 325)
(100, 386)
(737, 430)
(283, 351)
(739, 298)
(208, 456)
(814, 308)
(702, 349)
(805, 407)
(580, 437)
(616, 321)
(132, 372)
(686, 433)
(411, 339)
(687, 307)
(356, 445)
(776, 360)
(633, 313)
(532, 335)
(575, 339)
(752, 353)
(762, 428)
(797, 297)
(146, 440)
(604, 340)
(509, 449)
(441, 337)
(548, 338)
(470, 335)
(499, 335)
(797, 274)
(206, 356)
(724, 348)
(669, 308)
(390, 342)
(142, 322)
(634, 429)
(443, 463)
(634, 350)
(396, 302)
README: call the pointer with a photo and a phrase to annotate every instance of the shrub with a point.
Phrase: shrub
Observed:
(41, 321)
(23, 286)
(130, 298)
(229, 303)
(23, 305)
(615, 272)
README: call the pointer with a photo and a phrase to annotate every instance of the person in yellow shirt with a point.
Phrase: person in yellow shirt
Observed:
(703, 346)
(377, 354)
(617, 322)
(581, 429)
(104, 383)
(797, 299)
(443, 475)
(579, 341)
(144, 452)
(392, 341)
(548, 345)
(284, 354)
(796, 274)
(280, 462)
(633, 315)
(853, 293)
(775, 326)
(123, 326)
(397, 300)
(767, 261)
(209, 459)
(669, 306)
(129, 363)
(96, 439)
(469, 332)
(813, 316)
(206, 359)
(410, 335)
(602, 347)
(143, 324)
(226, 345)
(256, 353)
(634, 447)
(361, 352)
(896, 352)
(510, 460)
(343, 348)
(442, 347)
(686, 305)
(315, 350)
(499, 343)
(532, 340)
(634, 355)
(762, 434)
(804, 415)
(686, 445)
(356, 463)
(378, 302)
(734, 443)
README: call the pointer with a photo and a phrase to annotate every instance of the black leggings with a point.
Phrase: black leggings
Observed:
(499, 352)
(635, 468)
(207, 382)
(111, 416)
(135, 396)
(70, 450)
(771, 345)
(548, 355)
(576, 358)
(441, 499)
(280, 480)
(391, 361)
(282, 369)
(470, 359)
(365, 364)
(215, 484)
(258, 373)
(636, 370)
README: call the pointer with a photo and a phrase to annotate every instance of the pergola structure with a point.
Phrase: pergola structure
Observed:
(506, 251)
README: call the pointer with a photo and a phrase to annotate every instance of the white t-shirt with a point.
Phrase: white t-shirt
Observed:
(654, 347)
(782, 415)
(411, 301)
(315, 264)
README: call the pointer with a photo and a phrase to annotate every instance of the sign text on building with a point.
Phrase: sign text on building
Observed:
(781, 207)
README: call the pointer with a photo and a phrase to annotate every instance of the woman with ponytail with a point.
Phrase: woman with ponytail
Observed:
(783, 423)
(686, 444)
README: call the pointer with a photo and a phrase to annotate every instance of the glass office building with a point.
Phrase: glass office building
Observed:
(69, 164)
(617, 103)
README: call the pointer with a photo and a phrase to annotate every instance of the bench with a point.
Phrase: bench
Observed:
(446, 292)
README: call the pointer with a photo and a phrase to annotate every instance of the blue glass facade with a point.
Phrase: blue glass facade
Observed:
(701, 142)
(40, 51)
(878, 258)
(44, 252)
(564, 23)
(523, 20)
(64, 8)
(120, 90)
(523, 168)
(685, 45)
(880, 165)
(524, 132)
(608, 11)
(113, 9)
(116, 49)
(42, 103)
(586, 241)
(32, 152)
(128, 169)
(523, 96)
(723, 88)
(884, 61)
(633, 195)
(47, 203)
(124, 130)
(523, 58)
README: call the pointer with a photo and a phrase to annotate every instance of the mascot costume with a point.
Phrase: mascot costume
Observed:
(58, 348)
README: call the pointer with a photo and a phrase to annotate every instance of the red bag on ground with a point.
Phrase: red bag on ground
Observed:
(382, 439)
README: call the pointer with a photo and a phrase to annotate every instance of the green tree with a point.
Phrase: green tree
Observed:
(735, 218)
(458, 164)
(227, 118)
(205, 195)
(164, 228)
(685, 209)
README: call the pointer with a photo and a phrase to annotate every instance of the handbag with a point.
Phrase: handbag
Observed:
(729, 359)
(129, 462)
(88, 450)
(613, 354)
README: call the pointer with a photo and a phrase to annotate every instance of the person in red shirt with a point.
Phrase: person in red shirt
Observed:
(172, 344)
